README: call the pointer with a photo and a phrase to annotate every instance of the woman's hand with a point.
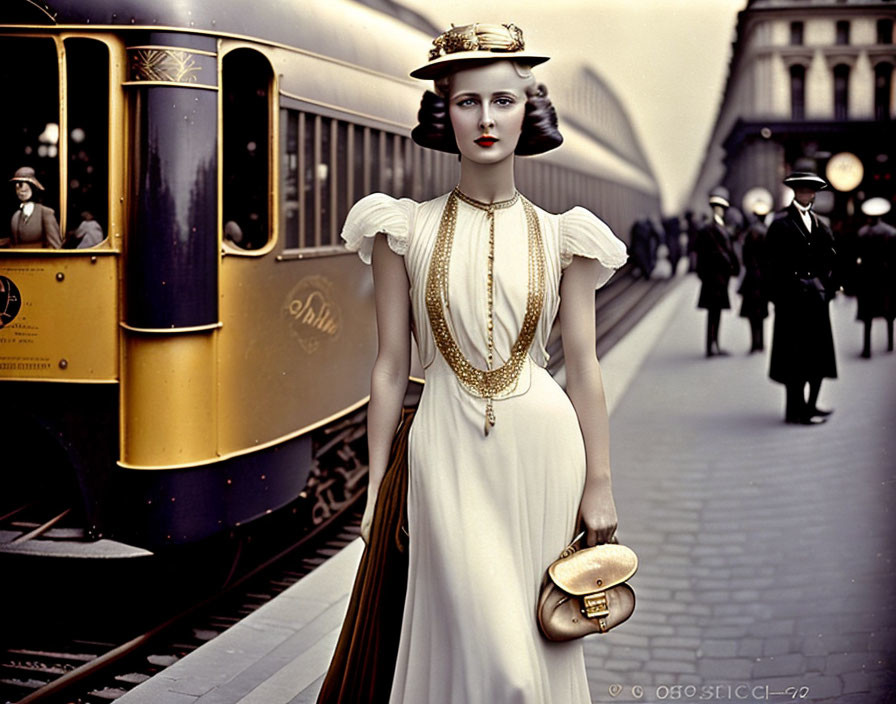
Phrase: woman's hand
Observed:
(367, 518)
(597, 513)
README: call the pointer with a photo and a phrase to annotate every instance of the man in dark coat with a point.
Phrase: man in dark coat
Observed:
(876, 271)
(801, 256)
(643, 241)
(716, 264)
(754, 288)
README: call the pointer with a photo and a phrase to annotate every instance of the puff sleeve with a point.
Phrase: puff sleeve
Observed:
(378, 214)
(584, 234)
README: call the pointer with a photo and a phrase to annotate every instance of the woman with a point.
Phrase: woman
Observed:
(500, 459)
(33, 224)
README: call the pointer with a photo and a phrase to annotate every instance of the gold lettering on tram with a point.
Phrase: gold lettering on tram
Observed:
(312, 311)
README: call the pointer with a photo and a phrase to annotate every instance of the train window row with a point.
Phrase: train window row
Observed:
(328, 164)
(54, 150)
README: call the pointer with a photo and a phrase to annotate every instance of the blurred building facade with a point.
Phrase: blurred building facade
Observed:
(809, 87)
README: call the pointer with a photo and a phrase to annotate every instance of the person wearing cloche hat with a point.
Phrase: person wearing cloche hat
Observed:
(476, 274)
(33, 224)
(801, 257)
(876, 272)
(716, 264)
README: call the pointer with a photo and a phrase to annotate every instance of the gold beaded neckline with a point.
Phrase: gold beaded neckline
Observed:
(485, 383)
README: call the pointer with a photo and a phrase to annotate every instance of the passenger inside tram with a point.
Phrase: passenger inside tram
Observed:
(52, 193)
(88, 233)
(32, 224)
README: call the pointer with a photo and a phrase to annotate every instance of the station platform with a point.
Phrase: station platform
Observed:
(766, 549)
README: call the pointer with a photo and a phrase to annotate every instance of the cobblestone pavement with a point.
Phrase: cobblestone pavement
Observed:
(767, 550)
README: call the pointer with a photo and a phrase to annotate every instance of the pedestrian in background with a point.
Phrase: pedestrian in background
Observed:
(754, 287)
(876, 268)
(716, 264)
(801, 255)
(672, 233)
(643, 242)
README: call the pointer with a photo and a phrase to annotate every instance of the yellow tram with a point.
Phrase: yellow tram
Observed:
(159, 382)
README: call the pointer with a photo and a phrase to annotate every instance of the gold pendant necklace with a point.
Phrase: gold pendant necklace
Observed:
(486, 383)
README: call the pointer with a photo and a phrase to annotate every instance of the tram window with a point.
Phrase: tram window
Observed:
(29, 81)
(308, 216)
(341, 195)
(290, 185)
(360, 162)
(87, 79)
(246, 83)
(325, 181)
(388, 182)
(374, 151)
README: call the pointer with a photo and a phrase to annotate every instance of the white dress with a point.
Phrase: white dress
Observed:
(486, 514)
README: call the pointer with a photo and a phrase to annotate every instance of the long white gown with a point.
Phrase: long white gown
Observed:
(486, 515)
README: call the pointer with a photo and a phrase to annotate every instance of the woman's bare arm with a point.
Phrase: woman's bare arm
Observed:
(389, 378)
(585, 388)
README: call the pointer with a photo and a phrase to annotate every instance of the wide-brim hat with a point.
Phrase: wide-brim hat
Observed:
(719, 196)
(875, 207)
(27, 175)
(473, 43)
(805, 179)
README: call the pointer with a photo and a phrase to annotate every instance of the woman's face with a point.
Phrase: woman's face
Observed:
(23, 191)
(487, 105)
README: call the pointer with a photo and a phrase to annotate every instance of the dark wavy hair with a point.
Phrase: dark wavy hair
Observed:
(539, 133)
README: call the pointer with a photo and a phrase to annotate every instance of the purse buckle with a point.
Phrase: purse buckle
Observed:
(596, 605)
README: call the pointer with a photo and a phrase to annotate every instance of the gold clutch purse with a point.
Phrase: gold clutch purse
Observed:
(584, 591)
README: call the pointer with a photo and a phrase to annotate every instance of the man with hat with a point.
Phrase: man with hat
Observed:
(716, 264)
(800, 249)
(33, 224)
(876, 265)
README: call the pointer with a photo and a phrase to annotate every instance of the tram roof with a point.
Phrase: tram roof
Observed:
(341, 29)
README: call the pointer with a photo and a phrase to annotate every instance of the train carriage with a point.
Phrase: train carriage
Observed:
(161, 386)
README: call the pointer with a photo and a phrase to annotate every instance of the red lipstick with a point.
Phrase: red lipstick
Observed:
(486, 140)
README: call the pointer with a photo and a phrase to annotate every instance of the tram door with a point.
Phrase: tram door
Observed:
(59, 240)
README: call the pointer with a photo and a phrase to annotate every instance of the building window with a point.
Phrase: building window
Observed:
(883, 90)
(246, 83)
(843, 32)
(885, 31)
(798, 92)
(841, 92)
(796, 33)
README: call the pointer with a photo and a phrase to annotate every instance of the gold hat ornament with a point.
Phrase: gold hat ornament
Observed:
(476, 42)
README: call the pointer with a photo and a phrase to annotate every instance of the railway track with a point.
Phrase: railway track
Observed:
(79, 671)
(86, 662)
(79, 667)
